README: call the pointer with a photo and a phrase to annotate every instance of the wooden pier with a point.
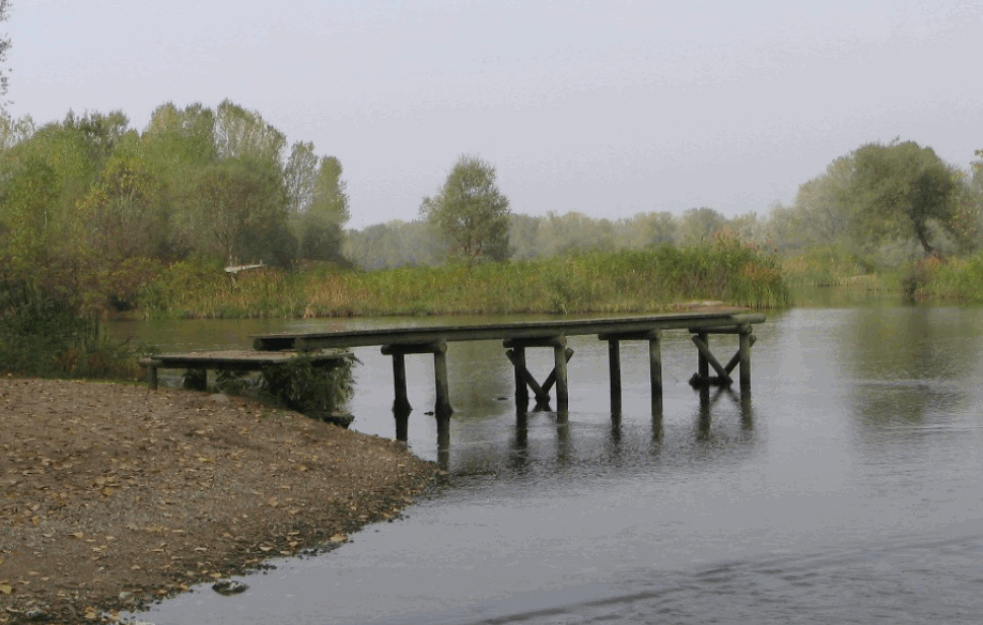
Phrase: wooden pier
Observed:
(517, 337)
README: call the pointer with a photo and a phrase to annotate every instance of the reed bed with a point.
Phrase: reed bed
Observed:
(624, 282)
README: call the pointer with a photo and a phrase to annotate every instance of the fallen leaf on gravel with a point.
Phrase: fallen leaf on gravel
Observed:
(77, 534)
(6, 589)
(338, 538)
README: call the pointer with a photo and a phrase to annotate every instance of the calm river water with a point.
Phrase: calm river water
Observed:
(846, 489)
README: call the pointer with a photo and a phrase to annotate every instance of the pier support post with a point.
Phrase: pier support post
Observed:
(744, 353)
(517, 356)
(614, 366)
(701, 363)
(655, 370)
(560, 368)
(442, 388)
(402, 425)
(402, 402)
(152, 380)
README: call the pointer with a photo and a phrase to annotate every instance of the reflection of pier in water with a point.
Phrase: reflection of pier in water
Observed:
(518, 337)
(585, 443)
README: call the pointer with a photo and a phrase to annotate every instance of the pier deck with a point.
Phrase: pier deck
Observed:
(516, 337)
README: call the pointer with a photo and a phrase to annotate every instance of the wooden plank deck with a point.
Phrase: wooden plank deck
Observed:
(528, 330)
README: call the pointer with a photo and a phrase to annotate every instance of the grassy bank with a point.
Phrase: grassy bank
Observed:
(623, 282)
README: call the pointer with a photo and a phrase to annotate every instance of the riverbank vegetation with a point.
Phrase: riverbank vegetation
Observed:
(210, 213)
(629, 281)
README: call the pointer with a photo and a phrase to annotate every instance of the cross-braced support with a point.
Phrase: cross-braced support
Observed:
(706, 358)
(525, 380)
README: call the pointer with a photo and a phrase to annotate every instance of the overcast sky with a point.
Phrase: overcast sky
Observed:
(609, 108)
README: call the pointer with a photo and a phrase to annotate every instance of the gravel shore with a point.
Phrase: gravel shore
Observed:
(114, 496)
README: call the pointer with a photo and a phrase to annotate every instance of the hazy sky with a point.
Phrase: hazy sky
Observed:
(607, 107)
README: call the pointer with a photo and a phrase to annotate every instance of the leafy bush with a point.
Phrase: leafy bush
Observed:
(316, 389)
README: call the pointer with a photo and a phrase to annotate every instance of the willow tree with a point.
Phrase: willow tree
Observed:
(470, 212)
(902, 190)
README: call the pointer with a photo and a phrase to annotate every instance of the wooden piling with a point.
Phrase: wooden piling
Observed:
(152, 375)
(560, 368)
(744, 351)
(702, 369)
(443, 407)
(614, 369)
(402, 402)
(517, 356)
(655, 370)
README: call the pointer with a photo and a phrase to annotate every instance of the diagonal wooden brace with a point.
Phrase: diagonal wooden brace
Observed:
(737, 356)
(542, 393)
(711, 360)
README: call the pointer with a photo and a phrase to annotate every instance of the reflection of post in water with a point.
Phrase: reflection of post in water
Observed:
(444, 440)
(520, 442)
(707, 404)
(703, 425)
(562, 435)
(747, 416)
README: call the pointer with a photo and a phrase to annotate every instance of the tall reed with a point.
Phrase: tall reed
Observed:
(621, 282)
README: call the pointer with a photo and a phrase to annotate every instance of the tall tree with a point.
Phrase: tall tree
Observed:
(822, 204)
(470, 211)
(241, 133)
(13, 131)
(241, 212)
(903, 190)
(321, 224)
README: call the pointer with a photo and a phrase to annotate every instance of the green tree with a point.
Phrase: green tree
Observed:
(903, 190)
(240, 212)
(699, 225)
(318, 203)
(239, 132)
(178, 144)
(124, 211)
(322, 233)
(13, 131)
(470, 211)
